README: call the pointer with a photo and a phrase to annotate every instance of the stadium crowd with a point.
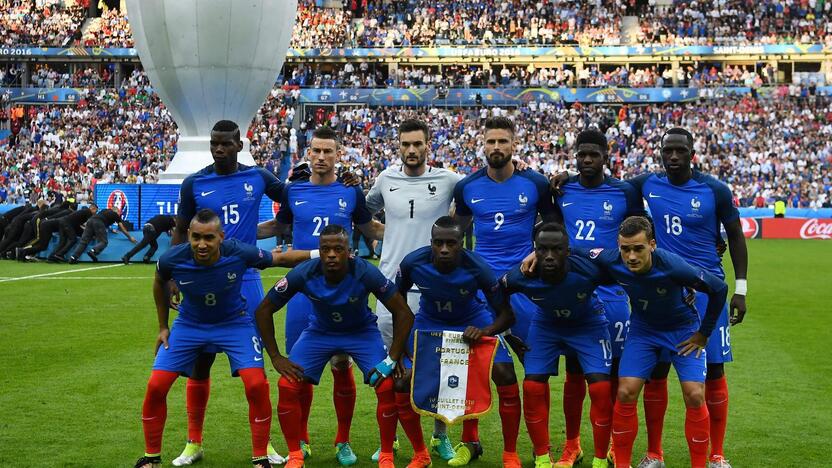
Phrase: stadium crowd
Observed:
(383, 23)
(53, 23)
(371, 75)
(760, 146)
(737, 23)
(473, 22)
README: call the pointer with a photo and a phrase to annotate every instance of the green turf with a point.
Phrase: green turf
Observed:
(76, 353)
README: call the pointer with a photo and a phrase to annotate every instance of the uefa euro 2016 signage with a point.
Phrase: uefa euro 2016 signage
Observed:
(443, 52)
(140, 202)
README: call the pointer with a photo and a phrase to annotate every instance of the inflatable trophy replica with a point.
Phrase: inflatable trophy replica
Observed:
(210, 60)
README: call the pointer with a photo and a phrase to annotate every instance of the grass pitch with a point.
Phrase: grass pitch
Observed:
(77, 349)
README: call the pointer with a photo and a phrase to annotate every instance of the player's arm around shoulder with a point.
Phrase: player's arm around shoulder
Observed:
(363, 218)
(375, 197)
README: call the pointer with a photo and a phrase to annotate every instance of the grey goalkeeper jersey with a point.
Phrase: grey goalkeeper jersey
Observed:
(411, 206)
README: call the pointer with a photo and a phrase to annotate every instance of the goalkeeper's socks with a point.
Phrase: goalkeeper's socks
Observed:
(510, 414)
(386, 415)
(410, 422)
(343, 396)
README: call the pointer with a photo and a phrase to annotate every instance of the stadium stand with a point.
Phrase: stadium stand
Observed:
(41, 23)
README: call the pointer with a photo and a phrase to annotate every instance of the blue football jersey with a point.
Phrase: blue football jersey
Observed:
(235, 198)
(504, 214)
(572, 302)
(211, 294)
(449, 298)
(658, 296)
(309, 208)
(592, 217)
(337, 308)
(688, 217)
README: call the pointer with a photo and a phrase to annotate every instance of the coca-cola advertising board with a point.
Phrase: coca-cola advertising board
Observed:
(787, 228)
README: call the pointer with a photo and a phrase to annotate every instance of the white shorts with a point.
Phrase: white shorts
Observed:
(385, 318)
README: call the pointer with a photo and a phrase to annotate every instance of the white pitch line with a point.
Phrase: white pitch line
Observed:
(62, 272)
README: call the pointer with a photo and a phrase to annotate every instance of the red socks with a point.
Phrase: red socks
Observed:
(289, 412)
(624, 431)
(697, 433)
(600, 415)
(716, 394)
(343, 396)
(259, 409)
(655, 406)
(470, 431)
(305, 398)
(574, 392)
(536, 407)
(155, 409)
(386, 414)
(510, 413)
(196, 400)
(410, 422)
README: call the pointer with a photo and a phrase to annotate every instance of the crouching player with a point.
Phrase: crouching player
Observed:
(209, 271)
(570, 320)
(655, 280)
(341, 323)
(448, 278)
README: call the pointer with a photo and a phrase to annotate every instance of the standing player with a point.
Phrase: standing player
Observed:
(570, 321)
(503, 204)
(662, 321)
(413, 197)
(592, 207)
(209, 272)
(449, 277)
(342, 322)
(308, 207)
(233, 191)
(688, 208)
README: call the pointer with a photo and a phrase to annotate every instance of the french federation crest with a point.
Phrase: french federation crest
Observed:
(453, 381)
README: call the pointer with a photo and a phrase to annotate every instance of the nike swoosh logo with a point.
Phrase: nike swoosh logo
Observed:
(717, 402)
(608, 364)
(726, 352)
(619, 432)
(476, 200)
(698, 441)
(258, 420)
(149, 419)
(393, 189)
(602, 425)
(389, 415)
(567, 204)
(258, 358)
(653, 196)
(538, 298)
(297, 203)
(513, 403)
(205, 194)
(281, 413)
(183, 283)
